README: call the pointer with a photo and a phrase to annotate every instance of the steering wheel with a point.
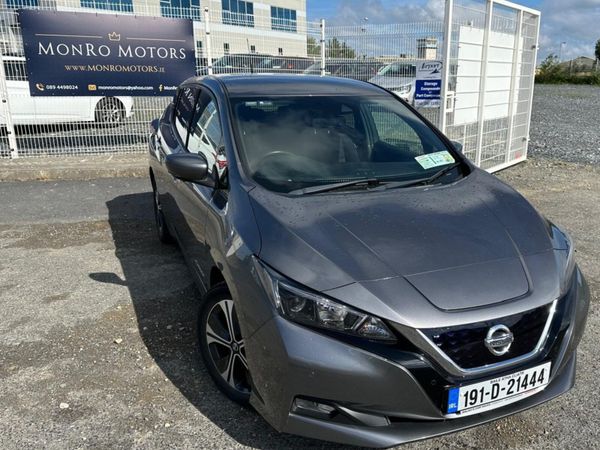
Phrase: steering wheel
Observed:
(276, 154)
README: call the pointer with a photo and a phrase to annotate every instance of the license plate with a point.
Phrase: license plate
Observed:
(490, 394)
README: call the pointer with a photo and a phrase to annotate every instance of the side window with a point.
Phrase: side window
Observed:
(206, 134)
(394, 130)
(347, 116)
(184, 110)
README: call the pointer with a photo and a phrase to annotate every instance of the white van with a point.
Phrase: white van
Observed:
(28, 110)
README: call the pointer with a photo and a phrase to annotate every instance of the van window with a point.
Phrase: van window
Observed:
(184, 109)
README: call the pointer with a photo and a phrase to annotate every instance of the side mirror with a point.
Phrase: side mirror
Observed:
(188, 167)
(154, 124)
(457, 146)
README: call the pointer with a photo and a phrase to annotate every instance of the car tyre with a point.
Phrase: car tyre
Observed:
(222, 346)
(110, 112)
(162, 230)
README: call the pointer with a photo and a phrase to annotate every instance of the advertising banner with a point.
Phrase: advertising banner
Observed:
(428, 85)
(72, 53)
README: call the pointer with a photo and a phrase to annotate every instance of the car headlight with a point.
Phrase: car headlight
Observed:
(564, 249)
(311, 309)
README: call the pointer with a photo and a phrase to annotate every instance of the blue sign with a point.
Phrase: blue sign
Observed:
(428, 85)
(428, 91)
(72, 53)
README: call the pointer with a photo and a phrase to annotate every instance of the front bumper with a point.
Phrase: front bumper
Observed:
(384, 395)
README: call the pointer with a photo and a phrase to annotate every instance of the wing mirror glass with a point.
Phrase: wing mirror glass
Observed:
(154, 124)
(457, 146)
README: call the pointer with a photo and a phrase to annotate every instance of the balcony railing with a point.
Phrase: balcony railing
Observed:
(239, 19)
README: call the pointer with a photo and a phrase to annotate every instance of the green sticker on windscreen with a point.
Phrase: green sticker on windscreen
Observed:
(434, 159)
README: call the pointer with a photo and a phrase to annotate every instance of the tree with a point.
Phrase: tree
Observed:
(312, 47)
(550, 70)
(339, 49)
(597, 52)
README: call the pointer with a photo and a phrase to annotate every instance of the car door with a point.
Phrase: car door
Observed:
(172, 138)
(193, 199)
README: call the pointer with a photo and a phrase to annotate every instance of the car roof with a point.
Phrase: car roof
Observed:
(253, 85)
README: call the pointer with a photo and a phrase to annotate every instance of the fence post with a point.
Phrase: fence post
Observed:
(10, 128)
(322, 47)
(532, 83)
(513, 86)
(482, 80)
(446, 63)
(208, 40)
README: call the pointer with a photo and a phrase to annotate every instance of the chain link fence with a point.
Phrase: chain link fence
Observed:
(489, 63)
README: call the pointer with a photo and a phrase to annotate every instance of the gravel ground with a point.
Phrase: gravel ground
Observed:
(565, 123)
(97, 341)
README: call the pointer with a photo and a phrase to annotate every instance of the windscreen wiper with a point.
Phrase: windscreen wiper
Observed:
(367, 182)
(422, 181)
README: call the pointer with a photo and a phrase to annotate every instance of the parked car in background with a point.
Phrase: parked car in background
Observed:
(361, 70)
(37, 110)
(235, 63)
(284, 64)
(399, 78)
(363, 282)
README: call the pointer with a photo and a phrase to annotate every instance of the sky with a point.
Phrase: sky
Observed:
(576, 23)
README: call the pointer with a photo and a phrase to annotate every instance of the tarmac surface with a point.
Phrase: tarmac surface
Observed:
(97, 337)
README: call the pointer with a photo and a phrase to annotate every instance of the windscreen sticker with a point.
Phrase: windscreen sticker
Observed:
(434, 159)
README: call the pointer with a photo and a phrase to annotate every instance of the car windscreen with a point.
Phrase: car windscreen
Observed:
(292, 143)
(400, 70)
(315, 69)
(238, 61)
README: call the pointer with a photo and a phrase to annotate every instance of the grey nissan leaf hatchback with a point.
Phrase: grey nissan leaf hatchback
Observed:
(363, 282)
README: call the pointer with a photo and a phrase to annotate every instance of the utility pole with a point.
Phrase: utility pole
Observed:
(560, 52)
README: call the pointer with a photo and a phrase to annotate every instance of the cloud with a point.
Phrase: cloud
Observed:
(575, 22)
(352, 12)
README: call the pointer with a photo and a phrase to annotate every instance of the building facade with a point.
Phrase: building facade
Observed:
(275, 27)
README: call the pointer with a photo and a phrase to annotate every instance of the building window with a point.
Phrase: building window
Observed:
(280, 51)
(199, 49)
(253, 49)
(238, 12)
(283, 19)
(16, 4)
(226, 48)
(186, 9)
(110, 5)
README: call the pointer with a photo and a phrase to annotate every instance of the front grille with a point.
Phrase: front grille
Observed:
(464, 344)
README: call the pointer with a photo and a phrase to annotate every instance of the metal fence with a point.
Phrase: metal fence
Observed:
(488, 59)
(490, 68)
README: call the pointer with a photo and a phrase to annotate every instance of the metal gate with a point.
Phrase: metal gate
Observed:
(488, 59)
(490, 70)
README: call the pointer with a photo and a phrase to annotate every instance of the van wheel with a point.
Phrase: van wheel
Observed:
(110, 112)
(161, 226)
(222, 345)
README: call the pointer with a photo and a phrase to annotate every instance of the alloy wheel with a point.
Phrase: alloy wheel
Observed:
(226, 346)
(109, 113)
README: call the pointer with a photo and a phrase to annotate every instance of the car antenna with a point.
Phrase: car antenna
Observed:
(251, 60)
